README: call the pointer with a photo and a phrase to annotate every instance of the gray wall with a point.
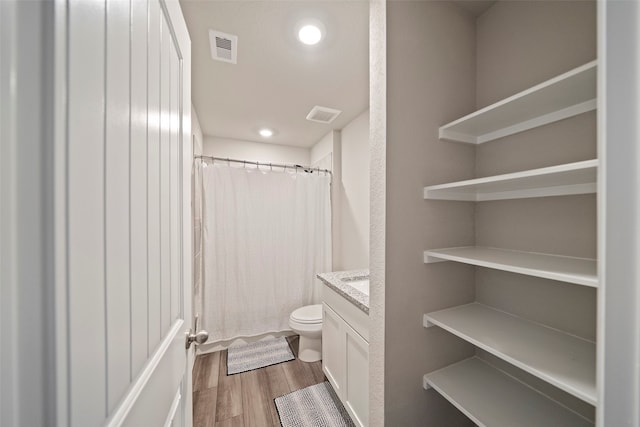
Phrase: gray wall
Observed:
(520, 44)
(531, 42)
(430, 79)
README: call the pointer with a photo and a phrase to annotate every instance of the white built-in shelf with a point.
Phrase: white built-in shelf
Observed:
(561, 180)
(490, 398)
(581, 271)
(564, 96)
(560, 359)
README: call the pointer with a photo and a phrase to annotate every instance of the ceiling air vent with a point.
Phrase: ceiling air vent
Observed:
(323, 114)
(224, 47)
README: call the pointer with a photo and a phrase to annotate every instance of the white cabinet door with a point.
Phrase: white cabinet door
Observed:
(333, 337)
(356, 385)
(345, 362)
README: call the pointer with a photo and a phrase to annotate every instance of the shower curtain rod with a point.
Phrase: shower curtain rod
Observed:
(258, 164)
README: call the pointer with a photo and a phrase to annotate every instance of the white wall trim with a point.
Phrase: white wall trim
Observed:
(618, 370)
(60, 214)
(377, 227)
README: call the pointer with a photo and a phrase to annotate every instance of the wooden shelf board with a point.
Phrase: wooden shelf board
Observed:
(491, 398)
(566, 95)
(560, 359)
(581, 271)
(571, 178)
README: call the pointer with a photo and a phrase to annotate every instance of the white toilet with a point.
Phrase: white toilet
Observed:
(307, 322)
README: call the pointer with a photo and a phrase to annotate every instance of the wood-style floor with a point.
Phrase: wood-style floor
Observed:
(246, 399)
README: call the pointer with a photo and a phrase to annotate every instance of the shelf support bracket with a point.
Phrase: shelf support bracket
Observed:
(426, 322)
(429, 259)
(425, 383)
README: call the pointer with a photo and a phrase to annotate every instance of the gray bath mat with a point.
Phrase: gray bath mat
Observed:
(258, 355)
(315, 406)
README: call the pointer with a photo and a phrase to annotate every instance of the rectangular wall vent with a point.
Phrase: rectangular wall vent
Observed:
(323, 114)
(224, 47)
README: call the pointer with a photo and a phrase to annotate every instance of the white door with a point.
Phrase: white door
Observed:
(126, 234)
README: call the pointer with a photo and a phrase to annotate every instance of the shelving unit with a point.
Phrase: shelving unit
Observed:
(561, 180)
(491, 398)
(561, 97)
(581, 271)
(560, 359)
(484, 393)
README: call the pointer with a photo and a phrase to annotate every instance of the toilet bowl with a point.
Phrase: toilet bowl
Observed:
(307, 322)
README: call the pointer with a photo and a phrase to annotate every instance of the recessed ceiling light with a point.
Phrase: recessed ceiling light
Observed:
(265, 133)
(310, 34)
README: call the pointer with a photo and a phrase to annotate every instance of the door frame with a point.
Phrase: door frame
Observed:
(186, 161)
(618, 330)
(28, 145)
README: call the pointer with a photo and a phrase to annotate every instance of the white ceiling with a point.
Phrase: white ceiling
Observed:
(277, 79)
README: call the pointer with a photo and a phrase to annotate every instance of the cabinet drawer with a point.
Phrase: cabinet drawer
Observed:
(355, 317)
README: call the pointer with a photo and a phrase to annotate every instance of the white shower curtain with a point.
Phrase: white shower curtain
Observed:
(265, 235)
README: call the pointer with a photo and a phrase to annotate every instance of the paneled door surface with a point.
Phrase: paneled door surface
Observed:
(126, 235)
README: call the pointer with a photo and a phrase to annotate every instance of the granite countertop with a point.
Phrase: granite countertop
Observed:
(339, 282)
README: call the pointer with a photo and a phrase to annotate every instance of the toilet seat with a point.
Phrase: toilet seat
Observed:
(308, 315)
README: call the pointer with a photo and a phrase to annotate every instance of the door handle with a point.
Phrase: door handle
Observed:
(199, 337)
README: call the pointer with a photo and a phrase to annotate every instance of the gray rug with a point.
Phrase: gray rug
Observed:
(258, 355)
(314, 406)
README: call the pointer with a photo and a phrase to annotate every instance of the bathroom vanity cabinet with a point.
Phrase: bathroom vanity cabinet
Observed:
(345, 353)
